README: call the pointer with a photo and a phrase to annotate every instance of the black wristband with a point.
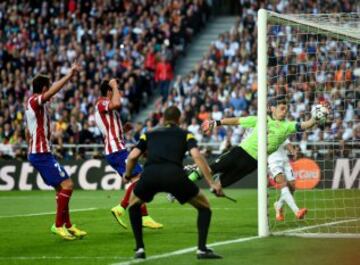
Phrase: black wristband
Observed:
(218, 122)
(127, 177)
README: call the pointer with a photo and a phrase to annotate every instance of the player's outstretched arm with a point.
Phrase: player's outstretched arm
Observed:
(308, 124)
(208, 125)
(59, 84)
(115, 99)
(205, 169)
(318, 115)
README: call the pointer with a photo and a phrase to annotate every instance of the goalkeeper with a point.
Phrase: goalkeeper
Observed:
(242, 160)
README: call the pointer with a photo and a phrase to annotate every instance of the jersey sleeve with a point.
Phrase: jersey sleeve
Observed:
(103, 106)
(190, 141)
(293, 127)
(248, 122)
(142, 144)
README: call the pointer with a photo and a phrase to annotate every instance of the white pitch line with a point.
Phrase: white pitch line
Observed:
(314, 226)
(228, 242)
(58, 257)
(186, 250)
(47, 213)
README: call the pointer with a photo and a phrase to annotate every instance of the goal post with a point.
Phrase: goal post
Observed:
(318, 54)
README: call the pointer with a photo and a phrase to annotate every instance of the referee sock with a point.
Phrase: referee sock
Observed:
(136, 224)
(62, 198)
(203, 223)
(289, 199)
(125, 201)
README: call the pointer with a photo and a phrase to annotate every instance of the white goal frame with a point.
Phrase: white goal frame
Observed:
(263, 17)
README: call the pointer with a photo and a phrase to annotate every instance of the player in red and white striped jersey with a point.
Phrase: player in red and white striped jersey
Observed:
(108, 120)
(38, 124)
(40, 157)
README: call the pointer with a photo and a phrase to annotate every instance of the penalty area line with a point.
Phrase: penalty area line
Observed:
(47, 213)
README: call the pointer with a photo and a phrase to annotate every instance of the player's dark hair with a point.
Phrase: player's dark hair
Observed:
(275, 101)
(104, 88)
(172, 115)
(39, 82)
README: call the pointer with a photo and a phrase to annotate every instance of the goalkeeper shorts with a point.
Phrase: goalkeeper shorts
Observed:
(233, 166)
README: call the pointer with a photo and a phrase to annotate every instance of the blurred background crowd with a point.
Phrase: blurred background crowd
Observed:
(139, 43)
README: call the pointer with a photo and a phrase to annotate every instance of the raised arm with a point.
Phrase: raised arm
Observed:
(115, 99)
(60, 83)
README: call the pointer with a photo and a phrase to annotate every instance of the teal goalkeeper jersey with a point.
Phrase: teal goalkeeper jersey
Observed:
(278, 132)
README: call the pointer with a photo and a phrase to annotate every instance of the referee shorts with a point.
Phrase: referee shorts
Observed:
(233, 166)
(165, 178)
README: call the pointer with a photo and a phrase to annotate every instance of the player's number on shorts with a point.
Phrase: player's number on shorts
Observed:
(57, 165)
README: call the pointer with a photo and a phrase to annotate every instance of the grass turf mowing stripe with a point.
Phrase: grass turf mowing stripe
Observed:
(47, 213)
(228, 242)
(187, 250)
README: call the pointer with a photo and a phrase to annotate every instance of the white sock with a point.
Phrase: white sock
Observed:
(279, 203)
(289, 199)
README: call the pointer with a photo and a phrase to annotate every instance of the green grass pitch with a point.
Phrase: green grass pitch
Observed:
(26, 217)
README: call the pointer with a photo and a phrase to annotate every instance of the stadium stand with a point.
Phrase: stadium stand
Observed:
(224, 84)
(139, 41)
(125, 39)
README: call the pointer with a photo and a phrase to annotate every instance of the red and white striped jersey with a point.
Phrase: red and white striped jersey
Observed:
(110, 126)
(38, 123)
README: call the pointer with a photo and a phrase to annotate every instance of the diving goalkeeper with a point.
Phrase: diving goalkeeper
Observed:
(242, 160)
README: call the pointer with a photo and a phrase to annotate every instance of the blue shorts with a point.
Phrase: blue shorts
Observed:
(50, 170)
(118, 162)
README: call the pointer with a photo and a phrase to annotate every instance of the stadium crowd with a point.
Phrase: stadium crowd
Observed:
(139, 41)
(310, 71)
(135, 41)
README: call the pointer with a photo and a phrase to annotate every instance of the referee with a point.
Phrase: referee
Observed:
(163, 172)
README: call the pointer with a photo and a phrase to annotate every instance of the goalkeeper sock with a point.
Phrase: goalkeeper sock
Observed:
(289, 199)
(279, 203)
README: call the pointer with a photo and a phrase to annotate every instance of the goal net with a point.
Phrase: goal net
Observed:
(313, 59)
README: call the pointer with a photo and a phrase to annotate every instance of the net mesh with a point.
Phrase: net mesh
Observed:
(314, 59)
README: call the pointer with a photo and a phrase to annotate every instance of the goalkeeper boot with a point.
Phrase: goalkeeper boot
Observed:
(119, 214)
(62, 232)
(140, 254)
(301, 213)
(76, 232)
(279, 213)
(207, 253)
(148, 222)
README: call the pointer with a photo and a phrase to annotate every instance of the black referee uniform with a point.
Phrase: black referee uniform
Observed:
(163, 170)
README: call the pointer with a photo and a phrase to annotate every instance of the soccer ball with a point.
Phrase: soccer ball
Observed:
(319, 113)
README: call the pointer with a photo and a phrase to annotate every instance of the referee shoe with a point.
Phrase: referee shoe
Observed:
(208, 253)
(140, 254)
